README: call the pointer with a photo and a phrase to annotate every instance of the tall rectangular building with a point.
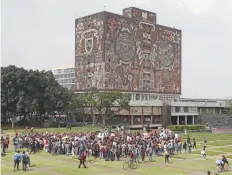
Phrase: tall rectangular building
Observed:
(128, 52)
(65, 77)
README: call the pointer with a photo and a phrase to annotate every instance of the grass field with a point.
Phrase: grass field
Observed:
(181, 164)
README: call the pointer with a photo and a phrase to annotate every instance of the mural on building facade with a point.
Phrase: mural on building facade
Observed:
(140, 14)
(88, 52)
(136, 55)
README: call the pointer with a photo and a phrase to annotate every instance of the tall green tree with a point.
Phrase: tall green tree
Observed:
(31, 94)
(12, 85)
(79, 107)
(107, 104)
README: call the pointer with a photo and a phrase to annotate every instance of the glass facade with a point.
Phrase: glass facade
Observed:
(65, 77)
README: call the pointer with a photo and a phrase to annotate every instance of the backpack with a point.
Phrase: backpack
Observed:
(17, 157)
(25, 158)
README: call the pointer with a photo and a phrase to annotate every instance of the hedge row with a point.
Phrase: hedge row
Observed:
(188, 127)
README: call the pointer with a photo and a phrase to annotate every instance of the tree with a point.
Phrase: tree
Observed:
(230, 107)
(31, 94)
(79, 106)
(109, 103)
(12, 82)
(103, 104)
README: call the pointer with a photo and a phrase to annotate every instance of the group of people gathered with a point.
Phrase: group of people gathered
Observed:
(113, 146)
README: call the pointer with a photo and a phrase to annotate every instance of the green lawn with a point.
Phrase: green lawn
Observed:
(181, 164)
(224, 149)
(74, 129)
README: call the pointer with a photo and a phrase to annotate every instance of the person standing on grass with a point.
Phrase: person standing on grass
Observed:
(203, 152)
(149, 152)
(24, 160)
(143, 153)
(7, 141)
(15, 142)
(189, 147)
(3, 146)
(33, 147)
(185, 147)
(194, 144)
(166, 156)
(17, 158)
(137, 153)
(188, 140)
(205, 141)
(179, 145)
(29, 160)
(82, 159)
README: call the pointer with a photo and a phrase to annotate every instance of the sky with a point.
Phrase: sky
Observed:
(39, 34)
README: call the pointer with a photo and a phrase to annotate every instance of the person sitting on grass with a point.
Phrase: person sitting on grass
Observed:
(226, 163)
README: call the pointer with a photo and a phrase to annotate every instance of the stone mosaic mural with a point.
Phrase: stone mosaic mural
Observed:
(117, 52)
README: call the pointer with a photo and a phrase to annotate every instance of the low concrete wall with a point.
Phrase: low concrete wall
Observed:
(216, 120)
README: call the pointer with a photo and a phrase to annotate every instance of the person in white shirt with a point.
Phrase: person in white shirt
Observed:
(203, 152)
(73, 148)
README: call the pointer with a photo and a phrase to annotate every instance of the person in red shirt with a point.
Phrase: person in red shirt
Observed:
(16, 133)
(82, 159)
(132, 156)
(6, 143)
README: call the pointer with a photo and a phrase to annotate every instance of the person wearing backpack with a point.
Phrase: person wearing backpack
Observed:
(29, 160)
(17, 158)
(25, 160)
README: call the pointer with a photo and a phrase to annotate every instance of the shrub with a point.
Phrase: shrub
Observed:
(188, 127)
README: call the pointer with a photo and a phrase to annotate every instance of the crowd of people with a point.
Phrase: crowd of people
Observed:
(113, 146)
